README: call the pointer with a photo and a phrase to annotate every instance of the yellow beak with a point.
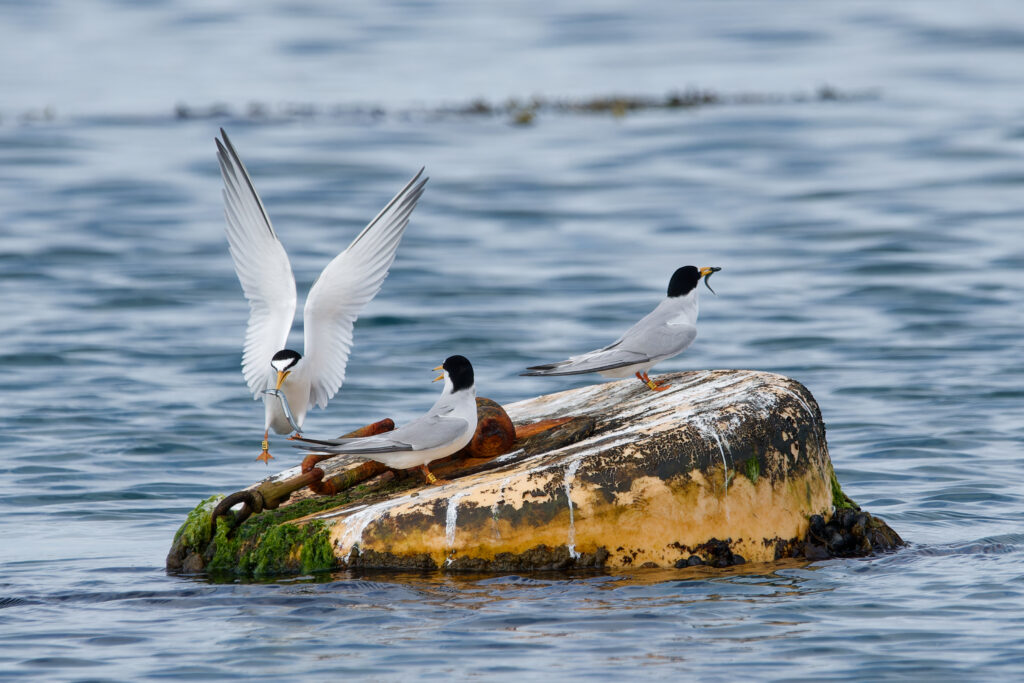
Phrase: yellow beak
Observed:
(441, 376)
(280, 377)
(704, 272)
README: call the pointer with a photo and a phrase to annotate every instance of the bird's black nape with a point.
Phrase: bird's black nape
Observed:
(285, 359)
(460, 372)
(683, 281)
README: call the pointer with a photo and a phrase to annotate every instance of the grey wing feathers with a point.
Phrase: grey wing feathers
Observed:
(591, 362)
(353, 447)
(648, 340)
(425, 433)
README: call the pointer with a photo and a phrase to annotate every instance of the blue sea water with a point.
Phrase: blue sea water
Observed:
(872, 247)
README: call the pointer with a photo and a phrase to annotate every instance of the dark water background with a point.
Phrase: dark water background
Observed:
(871, 247)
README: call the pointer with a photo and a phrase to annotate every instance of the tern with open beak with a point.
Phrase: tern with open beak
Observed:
(664, 332)
(344, 287)
(445, 429)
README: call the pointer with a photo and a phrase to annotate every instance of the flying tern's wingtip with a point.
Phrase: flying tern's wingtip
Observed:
(416, 177)
(228, 147)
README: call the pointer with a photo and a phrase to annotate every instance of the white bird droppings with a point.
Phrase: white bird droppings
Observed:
(570, 474)
(451, 516)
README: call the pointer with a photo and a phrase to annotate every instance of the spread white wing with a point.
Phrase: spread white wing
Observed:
(262, 266)
(345, 286)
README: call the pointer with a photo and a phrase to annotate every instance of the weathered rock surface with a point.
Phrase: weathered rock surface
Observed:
(725, 467)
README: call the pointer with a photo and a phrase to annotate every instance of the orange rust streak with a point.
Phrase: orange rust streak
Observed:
(321, 487)
(311, 460)
(524, 431)
(349, 478)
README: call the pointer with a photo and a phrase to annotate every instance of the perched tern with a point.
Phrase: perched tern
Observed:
(445, 429)
(334, 301)
(664, 332)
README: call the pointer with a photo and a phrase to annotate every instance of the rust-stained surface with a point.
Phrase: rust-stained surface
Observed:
(729, 459)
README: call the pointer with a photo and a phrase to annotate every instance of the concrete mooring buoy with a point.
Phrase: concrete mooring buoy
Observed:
(726, 467)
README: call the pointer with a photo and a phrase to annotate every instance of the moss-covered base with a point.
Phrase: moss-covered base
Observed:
(195, 532)
(283, 549)
(265, 544)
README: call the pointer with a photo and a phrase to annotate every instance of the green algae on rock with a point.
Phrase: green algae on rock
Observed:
(839, 499)
(726, 467)
(282, 549)
(195, 532)
(266, 543)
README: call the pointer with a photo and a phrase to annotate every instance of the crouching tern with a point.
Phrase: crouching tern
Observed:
(664, 332)
(445, 429)
(345, 286)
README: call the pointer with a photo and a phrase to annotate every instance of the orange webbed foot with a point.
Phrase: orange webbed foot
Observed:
(265, 455)
(653, 384)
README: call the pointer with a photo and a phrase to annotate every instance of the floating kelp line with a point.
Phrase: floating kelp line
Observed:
(523, 111)
(516, 110)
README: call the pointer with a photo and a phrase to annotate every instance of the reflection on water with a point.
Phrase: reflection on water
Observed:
(871, 249)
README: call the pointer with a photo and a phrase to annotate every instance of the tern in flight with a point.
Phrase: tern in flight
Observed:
(295, 381)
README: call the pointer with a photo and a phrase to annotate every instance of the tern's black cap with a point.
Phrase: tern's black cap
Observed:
(285, 358)
(683, 281)
(460, 371)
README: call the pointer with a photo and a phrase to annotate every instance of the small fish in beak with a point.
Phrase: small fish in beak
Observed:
(706, 273)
